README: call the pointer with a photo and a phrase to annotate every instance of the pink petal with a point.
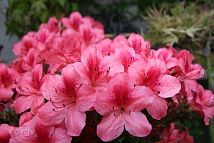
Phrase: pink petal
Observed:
(50, 115)
(82, 71)
(70, 77)
(191, 87)
(91, 57)
(102, 104)
(137, 71)
(110, 127)
(139, 44)
(208, 114)
(196, 72)
(37, 75)
(75, 121)
(25, 117)
(49, 87)
(60, 136)
(5, 93)
(168, 86)
(86, 98)
(26, 86)
(137, 124)
(155, 66)
(112, 64)
(23, 103)
(126, 55)
(157, 109)
(141, 98)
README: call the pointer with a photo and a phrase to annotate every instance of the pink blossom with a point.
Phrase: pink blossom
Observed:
(120, 104)
(189, 70)
(28, 89)
(69, 99)
(7, 82)
(173, 135)
(96, 69)
(141, 46)
(73, 22)
(153, 75)
(204, 102)
(167, 55)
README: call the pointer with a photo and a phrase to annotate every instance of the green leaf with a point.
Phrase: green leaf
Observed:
(191, 31)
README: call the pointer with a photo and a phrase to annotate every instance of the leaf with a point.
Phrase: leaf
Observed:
(191, 31)
(38, 6)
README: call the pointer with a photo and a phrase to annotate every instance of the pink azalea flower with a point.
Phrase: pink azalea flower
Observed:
(28, 89)
(89, 29)
(105, 47)
(153, 75)
(189, 70)
(173, 135)
(51, 26)
(34, 131)
(205, 101)
(73, 22)
(96, 69)
(167, 55)
(21, 48)
(126, 55)
(7, 82)
(69, 99)
(120, 104)
(66, 49)
(140, 46)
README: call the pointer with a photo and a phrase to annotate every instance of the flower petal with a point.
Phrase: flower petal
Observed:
(23, 103)
(5, 93)
(70, 77)
(168, 86)
(141, 98)
(50, 115)
(157, 109)
(102, 104)
(60, 136)
(86, 98)
(110, 127)
(75, 121)
(137, 124)
(137, 71)
(49, 87)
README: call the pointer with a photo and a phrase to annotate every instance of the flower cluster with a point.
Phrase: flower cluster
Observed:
(68, 71)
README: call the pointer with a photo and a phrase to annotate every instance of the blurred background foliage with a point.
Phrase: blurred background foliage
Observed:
(186, 24)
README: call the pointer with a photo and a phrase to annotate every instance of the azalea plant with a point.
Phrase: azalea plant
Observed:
(69, 83)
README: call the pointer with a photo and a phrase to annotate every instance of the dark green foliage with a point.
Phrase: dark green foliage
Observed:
(8, 116)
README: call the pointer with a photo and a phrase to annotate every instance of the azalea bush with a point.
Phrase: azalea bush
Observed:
(69, 83)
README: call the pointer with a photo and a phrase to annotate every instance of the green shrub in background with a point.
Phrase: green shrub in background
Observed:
(23, 16)
(187, 26)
